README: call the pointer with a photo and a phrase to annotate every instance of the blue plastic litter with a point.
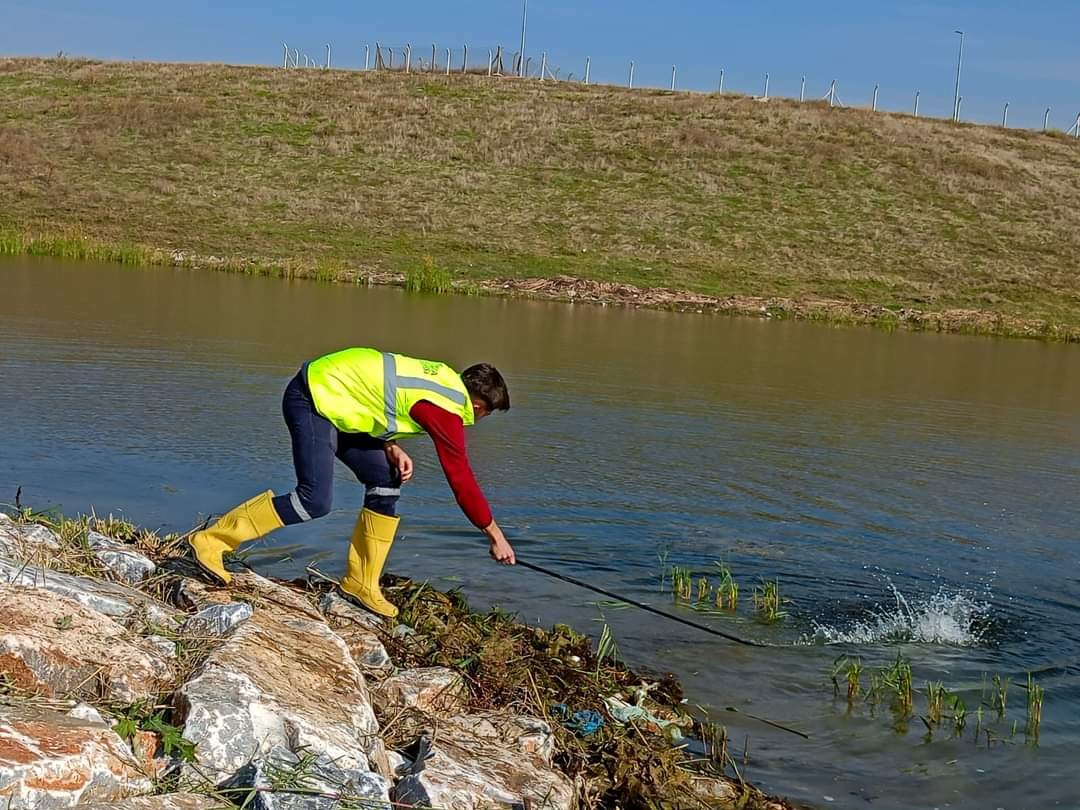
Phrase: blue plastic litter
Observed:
(584, 722)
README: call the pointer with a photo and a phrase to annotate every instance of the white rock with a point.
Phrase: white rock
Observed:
(128, 564)
(467, 771)
(84, 711)
(217, 620)
(340, 611)
(50, 760)
(25, 541)
(170, 801)
(340, 787)
(280, 681)
(110, 598)
(166, 645)
(434, 691)
(529, 735)
(359, 629)
(56, 646)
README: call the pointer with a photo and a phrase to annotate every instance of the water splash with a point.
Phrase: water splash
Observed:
(944, 618)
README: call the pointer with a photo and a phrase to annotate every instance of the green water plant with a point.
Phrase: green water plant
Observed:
(1034, 710)
(936, 695)
(682, 583)
(703, 590)
(893, 684)
(959, 714)
(606, 648)
(727, 591)
(768, 602)
(1000, 696)
(848, 671)
(427, 278)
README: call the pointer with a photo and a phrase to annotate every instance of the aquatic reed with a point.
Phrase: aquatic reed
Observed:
(681, 583)
(936, 694)
(768, 602)
(703, 590)
(1000, 696)
(959, 714)
(727, 592)
(427, 278)
(850, 670)
(1034, 709)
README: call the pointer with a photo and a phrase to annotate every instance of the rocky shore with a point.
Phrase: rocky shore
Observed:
(126, 681)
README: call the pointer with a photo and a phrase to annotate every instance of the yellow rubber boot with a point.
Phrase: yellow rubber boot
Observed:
(371, 541)
(248, 521)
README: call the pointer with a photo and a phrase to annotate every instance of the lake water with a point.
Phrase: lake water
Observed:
(910, 492)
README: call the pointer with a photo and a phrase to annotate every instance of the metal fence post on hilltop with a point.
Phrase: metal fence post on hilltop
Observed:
(873, 106)
(802, 90)
(1005, 115)
(766, 95)
(721, 90)
(1046, 119)
(588, 64)
(525, 15)
(630, 83)
(916, 113)
(673, 70)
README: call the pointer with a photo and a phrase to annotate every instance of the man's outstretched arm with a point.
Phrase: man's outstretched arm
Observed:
(448, 434)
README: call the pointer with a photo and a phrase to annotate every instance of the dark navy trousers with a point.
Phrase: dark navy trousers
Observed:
(315, 445)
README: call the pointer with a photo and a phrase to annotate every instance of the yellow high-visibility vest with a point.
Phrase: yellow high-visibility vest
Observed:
(368, 391)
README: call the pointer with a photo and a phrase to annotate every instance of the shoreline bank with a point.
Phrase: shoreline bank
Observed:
(562, 289)
(193, 696)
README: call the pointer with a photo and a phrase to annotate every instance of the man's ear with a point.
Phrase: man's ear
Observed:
(480, 408)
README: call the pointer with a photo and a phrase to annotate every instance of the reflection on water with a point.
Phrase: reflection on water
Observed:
(843, 462)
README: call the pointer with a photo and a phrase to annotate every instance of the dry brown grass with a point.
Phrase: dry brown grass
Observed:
(503, 178)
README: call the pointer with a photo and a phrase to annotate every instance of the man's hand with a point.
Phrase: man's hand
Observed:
(400, 459)
(500, 551)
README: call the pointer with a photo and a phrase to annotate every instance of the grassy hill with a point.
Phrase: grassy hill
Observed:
(338, 173)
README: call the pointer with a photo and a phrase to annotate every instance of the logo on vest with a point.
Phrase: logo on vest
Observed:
(431, 369)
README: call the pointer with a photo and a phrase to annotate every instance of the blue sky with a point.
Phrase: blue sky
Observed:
(1025, 53)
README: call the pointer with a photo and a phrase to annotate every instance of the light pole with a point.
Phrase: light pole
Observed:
(959, 64)
(524, 20)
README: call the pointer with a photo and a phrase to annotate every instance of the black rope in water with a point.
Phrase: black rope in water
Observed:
(642, 605)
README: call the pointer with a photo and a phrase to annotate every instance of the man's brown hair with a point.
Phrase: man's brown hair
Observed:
(484, 381)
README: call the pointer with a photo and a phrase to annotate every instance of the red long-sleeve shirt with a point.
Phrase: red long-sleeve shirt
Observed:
(447, 431)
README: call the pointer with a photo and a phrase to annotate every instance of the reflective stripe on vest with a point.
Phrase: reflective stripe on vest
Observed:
(367, 391)
(392, 381)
